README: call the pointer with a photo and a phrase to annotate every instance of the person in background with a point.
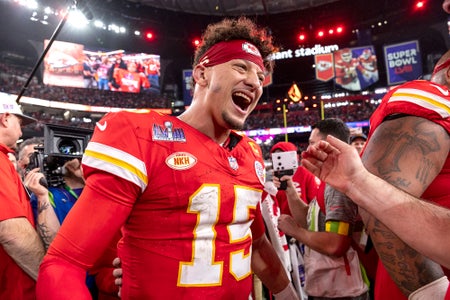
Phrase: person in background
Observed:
(130, 80)
(304, 181)
(26, 150)
(185, 190)
(369, 66)
(347, 68)
(117, 63)
(408, 147)
(325, 227)
(152, 69)
(358, 141)
(88, 73)
(22, 248)
(62, 198)
(274, 204)
(13, 159)
(102, 74)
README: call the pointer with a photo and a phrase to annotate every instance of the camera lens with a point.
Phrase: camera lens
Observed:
(69, 146)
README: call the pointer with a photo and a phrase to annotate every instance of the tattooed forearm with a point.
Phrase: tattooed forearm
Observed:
(45, 234)
(42, 207)
(407, 268)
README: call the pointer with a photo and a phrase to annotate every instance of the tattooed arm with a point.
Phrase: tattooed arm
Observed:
(408, 152)
(47, 223)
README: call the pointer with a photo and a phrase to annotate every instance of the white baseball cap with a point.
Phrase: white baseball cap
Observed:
(9, 105)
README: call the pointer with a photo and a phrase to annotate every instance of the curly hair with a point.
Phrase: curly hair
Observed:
(237, 29)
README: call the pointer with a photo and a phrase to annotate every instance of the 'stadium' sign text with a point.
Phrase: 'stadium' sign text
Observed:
(301, 52)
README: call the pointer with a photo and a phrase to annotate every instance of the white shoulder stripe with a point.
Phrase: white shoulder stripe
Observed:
(116, 162)
(431, 101)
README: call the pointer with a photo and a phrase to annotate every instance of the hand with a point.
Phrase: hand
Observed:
(286, 178)
(334, 162)
(117, 273)
(73, 166)
(33, 181)
(288, 225)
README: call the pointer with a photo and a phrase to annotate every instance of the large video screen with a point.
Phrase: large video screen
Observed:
(72, 65)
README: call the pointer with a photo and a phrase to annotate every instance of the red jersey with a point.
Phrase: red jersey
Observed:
(346, 72)
(152, 67)
(14, 203)
(430, 101)
(186, 205)
(369, 63)
(131, 82)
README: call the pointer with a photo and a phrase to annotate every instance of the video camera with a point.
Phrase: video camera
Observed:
(61, 144)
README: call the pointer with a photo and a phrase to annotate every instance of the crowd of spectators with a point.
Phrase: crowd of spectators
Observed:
(13, 78)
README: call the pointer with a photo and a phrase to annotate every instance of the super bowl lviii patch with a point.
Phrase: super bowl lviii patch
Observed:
(166, 132)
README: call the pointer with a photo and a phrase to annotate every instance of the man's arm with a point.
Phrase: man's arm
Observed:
(85, 234)
(269, 269)
(406, 152)
(22, 243)
(297, 206)
(340, 165)
(47, 222)
(408, 155)
(327, 243)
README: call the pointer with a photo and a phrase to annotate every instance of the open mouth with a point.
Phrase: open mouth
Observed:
(242, 100)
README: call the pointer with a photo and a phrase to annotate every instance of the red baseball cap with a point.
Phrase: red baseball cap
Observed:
(283, 146)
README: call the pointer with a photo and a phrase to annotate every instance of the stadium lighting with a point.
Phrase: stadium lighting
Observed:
(77, 19)
(149, 36)
(196, 42)
(420, 4)
(31, 4)
(301, 37)
(99, 24)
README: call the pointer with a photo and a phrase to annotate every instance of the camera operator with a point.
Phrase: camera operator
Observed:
(26, 150)
(22, 249)
(64, 196)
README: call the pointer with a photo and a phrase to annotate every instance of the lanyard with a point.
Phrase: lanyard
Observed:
(68, 189)
(71, 192)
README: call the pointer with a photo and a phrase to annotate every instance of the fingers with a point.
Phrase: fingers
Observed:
(116, 262)
(335, 145)
(32, 177)
(310, 166)
(117, 273)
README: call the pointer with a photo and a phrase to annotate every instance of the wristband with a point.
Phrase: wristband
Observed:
(434, 290)
(288, 293)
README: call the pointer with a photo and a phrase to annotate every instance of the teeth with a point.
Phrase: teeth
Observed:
(239, 94)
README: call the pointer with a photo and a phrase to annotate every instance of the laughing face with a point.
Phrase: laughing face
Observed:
(234, 90)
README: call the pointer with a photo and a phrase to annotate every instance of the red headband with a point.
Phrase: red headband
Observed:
(228, 50)
(442, 66)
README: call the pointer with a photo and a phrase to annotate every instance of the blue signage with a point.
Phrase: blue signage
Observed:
(403, 62)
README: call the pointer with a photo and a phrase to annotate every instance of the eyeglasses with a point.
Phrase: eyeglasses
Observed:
(442, 66)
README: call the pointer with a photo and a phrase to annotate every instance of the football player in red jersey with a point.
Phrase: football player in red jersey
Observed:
(184, 190)
(346, 68)
(130, 80)
(368, 62)
(408, 146)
